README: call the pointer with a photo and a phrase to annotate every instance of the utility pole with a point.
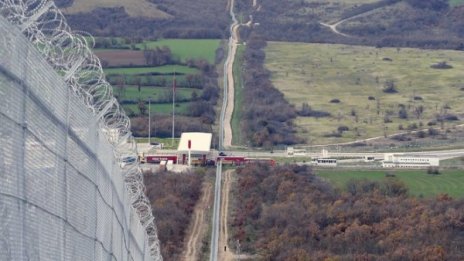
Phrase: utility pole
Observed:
(173, 106)
(149, 121)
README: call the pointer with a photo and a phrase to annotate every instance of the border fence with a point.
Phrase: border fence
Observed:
(64, 192)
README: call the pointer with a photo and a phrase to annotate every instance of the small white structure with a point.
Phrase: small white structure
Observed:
(409, 161)
(291, 151)
(324, 153)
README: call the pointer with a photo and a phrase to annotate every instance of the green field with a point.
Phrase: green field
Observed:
(237, 138)
(168, 143)
(165, 108)
(418, 182)
(167, 69)
(132, 93)
(318, 73)
(456, 2)
(184, 49)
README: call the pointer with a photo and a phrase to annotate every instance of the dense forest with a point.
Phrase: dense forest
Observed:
(173, 198)
(267, 116)
(288, 213)
(185, 20)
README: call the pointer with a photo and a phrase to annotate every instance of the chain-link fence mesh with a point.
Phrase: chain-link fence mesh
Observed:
(63, 193)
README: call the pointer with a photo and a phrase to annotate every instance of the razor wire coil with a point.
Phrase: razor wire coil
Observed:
(69, 53)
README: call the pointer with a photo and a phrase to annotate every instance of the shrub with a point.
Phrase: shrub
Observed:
(421, 134)
(335, 101)
(371, 98)
(403, 113)
(450, 117)
(433, 132)
(412, 126)
(333, 134)
(433, 170)
(307, 111)
(390, 174)
(401, 137)
(389, 87)
(441, 65)
(342, 128)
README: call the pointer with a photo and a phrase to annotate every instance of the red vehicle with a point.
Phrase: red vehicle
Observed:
(156, 159)
(231, 160)
(238, 161)
(260, 160)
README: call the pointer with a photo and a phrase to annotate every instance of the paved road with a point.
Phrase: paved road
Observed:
(225, 131)
(442, 154)
(216, 215)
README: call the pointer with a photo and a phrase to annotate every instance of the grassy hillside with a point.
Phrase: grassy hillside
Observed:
(404, 23)
(418, 182)
(146, 19)
(134, 8)
(320, 74)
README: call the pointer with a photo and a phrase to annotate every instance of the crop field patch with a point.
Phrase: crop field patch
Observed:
(116, 58)
(349, 81)
(166, 69)
(184, 49)
(165, 108)
(155, 93)
(418, 182)
(181, 49)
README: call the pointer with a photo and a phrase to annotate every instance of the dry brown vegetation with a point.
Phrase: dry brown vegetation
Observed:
(287, 213)
(173, 198)
(267, 117)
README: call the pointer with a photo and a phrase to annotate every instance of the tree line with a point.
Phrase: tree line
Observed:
(267, 118)
(288, 213)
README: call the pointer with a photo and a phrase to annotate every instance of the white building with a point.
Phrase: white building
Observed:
(409, 161)
(324, 162)
(194, 145)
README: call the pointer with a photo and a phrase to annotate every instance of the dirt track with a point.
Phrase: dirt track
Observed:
(230, 83)
(224, 235)
(200, 225)
(228, 254)
(230, 99)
